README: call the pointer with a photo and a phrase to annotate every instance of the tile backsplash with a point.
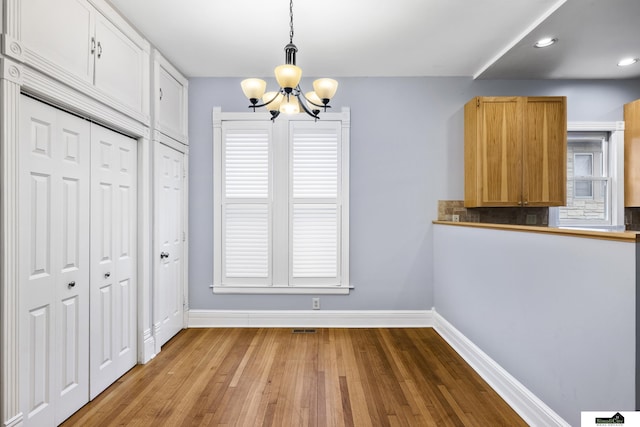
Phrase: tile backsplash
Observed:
(507, 215)
(632, 219)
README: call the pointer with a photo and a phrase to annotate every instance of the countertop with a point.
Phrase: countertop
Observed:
(621, 236)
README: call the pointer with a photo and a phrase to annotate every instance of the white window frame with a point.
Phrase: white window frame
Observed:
(280, 281)
(616, 173)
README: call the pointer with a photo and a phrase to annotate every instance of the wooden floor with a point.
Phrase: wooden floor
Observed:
(273, 377)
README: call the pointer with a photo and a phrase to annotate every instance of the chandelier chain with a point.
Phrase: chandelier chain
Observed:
(291, 21)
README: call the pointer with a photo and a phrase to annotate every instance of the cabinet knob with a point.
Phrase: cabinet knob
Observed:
(526, 203)
(71, 285)
(164, 255)
(107, 275)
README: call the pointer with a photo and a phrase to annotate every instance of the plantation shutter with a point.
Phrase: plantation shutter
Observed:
(246, 207)
(281, 211)
(314, 248)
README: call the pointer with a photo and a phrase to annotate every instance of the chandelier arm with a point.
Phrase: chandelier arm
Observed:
(306, 110)
(266, 103)
(311, 102)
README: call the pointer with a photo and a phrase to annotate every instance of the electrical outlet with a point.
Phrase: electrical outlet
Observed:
(455, 218)
(315, 303)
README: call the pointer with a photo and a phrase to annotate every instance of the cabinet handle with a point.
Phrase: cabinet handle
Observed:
(99, 50)
(164, 255)
(107, 275)
(160, 94)
(71, 284)
(526, 203)
(93, 45)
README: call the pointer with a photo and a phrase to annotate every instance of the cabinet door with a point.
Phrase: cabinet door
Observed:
(500, 151)
(57, 36)
(170, 100)
(632, 154)
(120, 65)
(545, 152)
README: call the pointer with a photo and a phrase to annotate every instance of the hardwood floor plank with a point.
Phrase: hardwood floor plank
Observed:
(275, 378)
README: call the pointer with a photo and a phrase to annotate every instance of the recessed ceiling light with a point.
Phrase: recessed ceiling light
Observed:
(627, 61)
(547, 41)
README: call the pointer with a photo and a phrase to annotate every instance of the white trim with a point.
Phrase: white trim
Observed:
(10, 414)
(533, 410)
(145, 253)
(310, 319)
(281, 290)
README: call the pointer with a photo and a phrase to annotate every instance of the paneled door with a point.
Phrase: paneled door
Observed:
(54, 164)
(113, 257)
(170, 231)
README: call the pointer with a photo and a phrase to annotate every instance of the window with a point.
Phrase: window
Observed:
(583, 167)
(281, 192)
(594, 198)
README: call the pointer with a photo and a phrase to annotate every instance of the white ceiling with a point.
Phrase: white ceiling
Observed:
(343, 38)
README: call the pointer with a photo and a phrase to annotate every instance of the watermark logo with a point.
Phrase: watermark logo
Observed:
(616, 419)
(610, 418)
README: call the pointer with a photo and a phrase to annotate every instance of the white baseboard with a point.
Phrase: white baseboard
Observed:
(310, 319)
(524, 402)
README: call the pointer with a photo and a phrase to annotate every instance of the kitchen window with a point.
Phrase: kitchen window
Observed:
(594, 181)
(281, 211)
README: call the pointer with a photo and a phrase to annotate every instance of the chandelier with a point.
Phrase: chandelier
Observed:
(289, 99)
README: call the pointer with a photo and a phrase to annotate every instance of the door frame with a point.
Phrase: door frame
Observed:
(16, 79)
(160, 138)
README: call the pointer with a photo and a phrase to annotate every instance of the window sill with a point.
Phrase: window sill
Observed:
(280, 290)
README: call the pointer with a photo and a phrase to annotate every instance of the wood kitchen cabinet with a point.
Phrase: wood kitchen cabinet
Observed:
(515, 151)
(632, 154)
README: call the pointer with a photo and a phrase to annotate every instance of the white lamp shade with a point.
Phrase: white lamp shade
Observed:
(288, 75)
(291, 106)
(253, 88)
(315, 99)
(275, 104)
(325, 88)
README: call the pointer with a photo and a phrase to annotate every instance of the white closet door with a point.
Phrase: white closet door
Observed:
(54, 262)
(113, 257)
(170, 231)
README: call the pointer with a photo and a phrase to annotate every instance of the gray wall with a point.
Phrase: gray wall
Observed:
(556, 312)
(406, 154)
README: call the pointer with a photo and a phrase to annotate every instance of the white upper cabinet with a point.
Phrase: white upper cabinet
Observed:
(120, 64)
(85, 44)
(55, 36)
(170, 99)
